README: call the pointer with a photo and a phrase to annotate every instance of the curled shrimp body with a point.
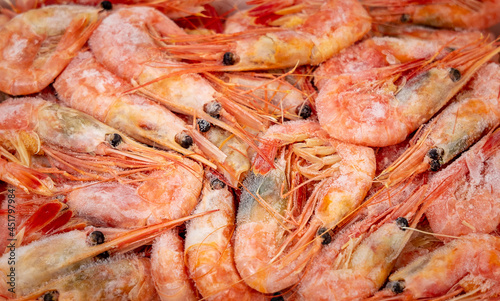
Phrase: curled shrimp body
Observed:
(122, 278)
(35, 126)
(473, 112)
(466, 198)
(309, 32)
(209, 251)
(469, 262)
(37, 45)
(437, 13)
(168, 269)
(384, 112)
(87, 86)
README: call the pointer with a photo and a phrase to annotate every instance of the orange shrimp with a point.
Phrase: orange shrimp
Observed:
(37, 45)
(473, 113)
(209, 252)
(168, 268)
(87, 86)
(479, 14)
(466, 197)
(392, 103)
(75, 140)
(26, 178)
(468, 263)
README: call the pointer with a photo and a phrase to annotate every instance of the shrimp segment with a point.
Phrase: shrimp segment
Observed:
(389, 105)
(36, 46)
(209, 251)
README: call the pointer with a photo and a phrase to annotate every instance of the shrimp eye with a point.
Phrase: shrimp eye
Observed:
(396, 287)
(229, 59)
(455, 75)
(50, 296)
(115, 139)
(325, 234)
(402, 223)
(103, 255)
(304, 111)
(106, 5)
(405, 18)
(203, 125)
(213, 109)
(435, 153)
(183, 139)
(95, 238)
(217, 184)
(435, 165)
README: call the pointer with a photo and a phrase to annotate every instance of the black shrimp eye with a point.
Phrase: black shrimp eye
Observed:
(183, 139)
(115, 139)
(103, 255)
(217, 184)
(325, 235)
(50, 296)
(304, 111)
(434, 165)
(106, 5)
(402, 223)
(203, 125)
(96, 238)
(229, 59)
(213, 109)
(435, 153)
(455, 75)
(405, 18)
(396, 287)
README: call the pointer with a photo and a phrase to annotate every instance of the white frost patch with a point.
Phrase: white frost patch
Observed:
(15, 49)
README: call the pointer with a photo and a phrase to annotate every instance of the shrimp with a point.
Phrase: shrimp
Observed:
(87, 86)
(53, 256)
(73, 139)
(114, 279)
(290, 33)
(469, 262)
(165, 194)
(392, 103)
(168, 269)
(473, 113)
(124, 46)
(466, 197)
(37, 45)
(26, 178)
(479, 14)
(209, 252)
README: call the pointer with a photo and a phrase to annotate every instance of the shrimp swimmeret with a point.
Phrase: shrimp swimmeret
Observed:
(36, 46)
(392, 102)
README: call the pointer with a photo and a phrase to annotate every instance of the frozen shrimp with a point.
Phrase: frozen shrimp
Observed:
(473, 113)
(87, 86)
(437, 13)
(73, 139)
(209, 251)
(37, 45)
(466, 198)
(469, 263)
(115, 279)
(168, 269)
(394, 101)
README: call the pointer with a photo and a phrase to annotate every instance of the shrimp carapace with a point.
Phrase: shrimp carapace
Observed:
(37, 45)
(382, 106)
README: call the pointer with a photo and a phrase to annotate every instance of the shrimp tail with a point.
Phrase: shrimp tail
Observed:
(208, 148)
(29, 180)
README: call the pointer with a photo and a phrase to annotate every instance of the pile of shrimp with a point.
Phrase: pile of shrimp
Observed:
(267, 150)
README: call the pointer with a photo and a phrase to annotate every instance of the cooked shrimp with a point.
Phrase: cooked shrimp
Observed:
(114, 279)
(53, 256)
(37, 45)
(165, 194)
(75, 140)
(87, 86)
(479, 14)
(390, 105)
(209, 251)
(123, 44)
(466, 197)
(168, 268)
(26, 178)
(469, 262)
(473, 113)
